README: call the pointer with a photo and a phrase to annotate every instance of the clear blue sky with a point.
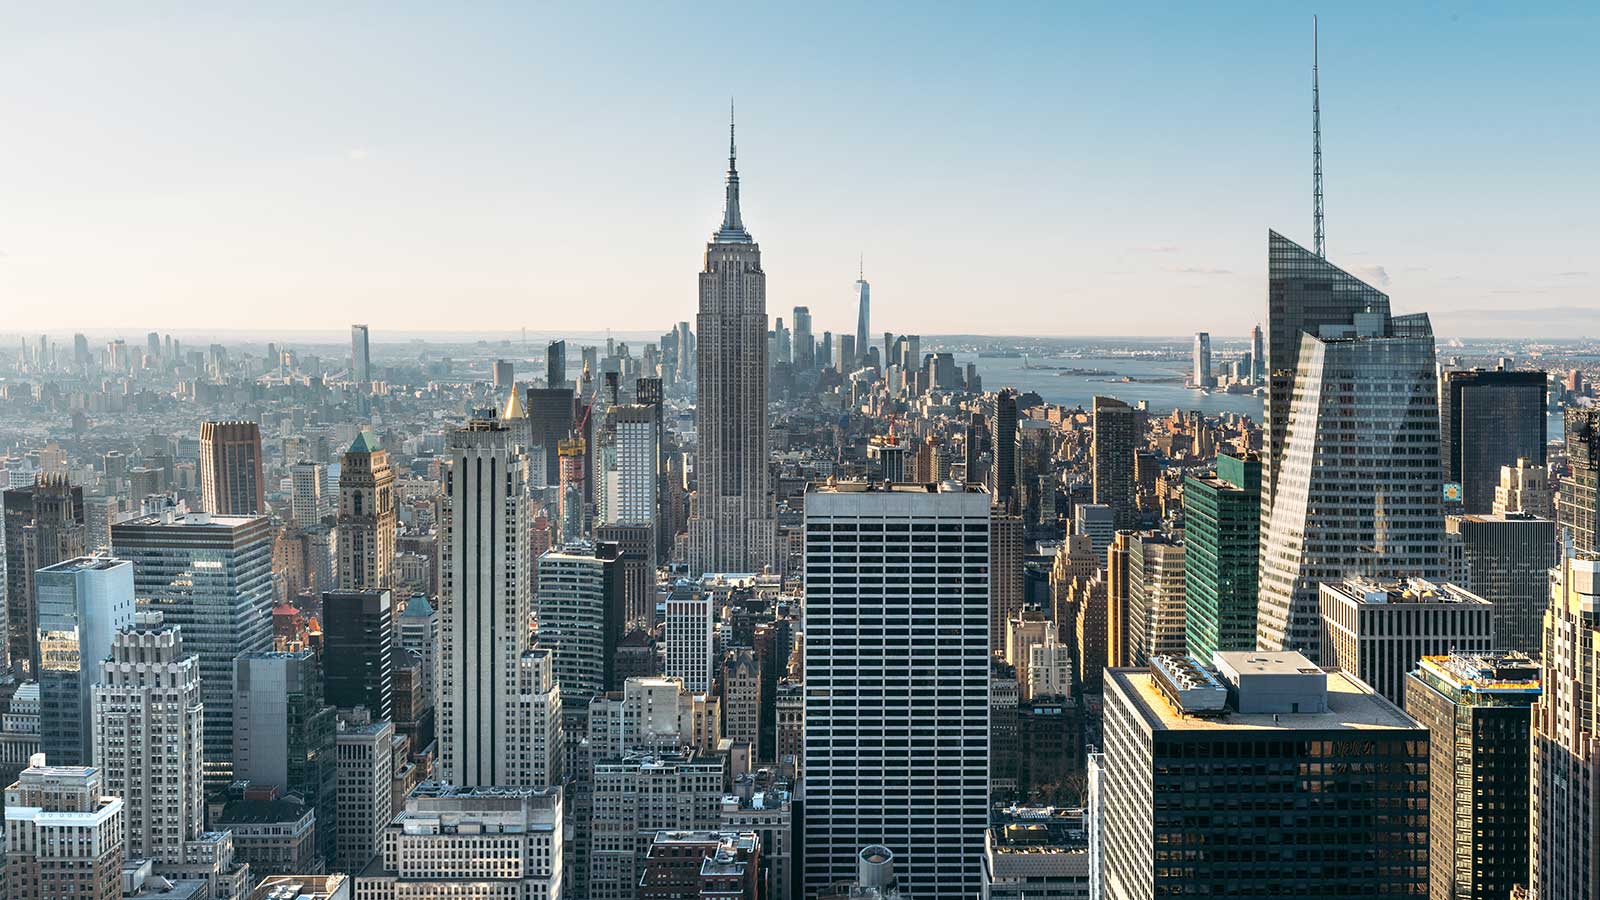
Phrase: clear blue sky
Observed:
(1056, 169)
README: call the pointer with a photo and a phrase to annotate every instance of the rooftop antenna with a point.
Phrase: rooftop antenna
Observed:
(861, 267)
(1316, 146)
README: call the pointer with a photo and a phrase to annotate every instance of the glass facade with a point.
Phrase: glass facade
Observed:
(1488, 420)
(1222, 529)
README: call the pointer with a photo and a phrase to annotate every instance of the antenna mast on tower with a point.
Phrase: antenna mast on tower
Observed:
(1316, 146)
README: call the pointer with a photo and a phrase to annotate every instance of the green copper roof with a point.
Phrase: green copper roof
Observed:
(365, 442)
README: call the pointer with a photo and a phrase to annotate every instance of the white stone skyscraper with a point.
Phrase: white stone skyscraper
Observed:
(732, 528)
(1359, 488)
(897, 683)
(484, 602)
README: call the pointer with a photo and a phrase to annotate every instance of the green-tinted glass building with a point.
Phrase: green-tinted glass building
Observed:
(1222, 521)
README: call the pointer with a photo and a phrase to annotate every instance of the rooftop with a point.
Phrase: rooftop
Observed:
(1411, 591)
(833, 486)
(1352, 706)
(86, 564)
(1485, 673)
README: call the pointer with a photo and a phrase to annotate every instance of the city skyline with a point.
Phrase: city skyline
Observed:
(1120, 202)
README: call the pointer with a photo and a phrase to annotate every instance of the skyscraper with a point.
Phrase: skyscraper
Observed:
(1112, 455)
(555, 364)
(1377, 631)
(691, 636)
(368, 519)
(580, 613)
(1489, 419)
(1525, 488)
(360, 355)
(1202, 361)
(212, 577)
(1358, 486)
(629, 467)
(732, 529)
(1258, 357)
(805, 344)
(1304, 293)
(1508, 560)
(1001, 418)
(358, 649)
(1324, 781)
(63, 836)
(890, 759)
(284, 734)
(483, 599)
(1156, 596)
(1476, 708)
(307, 500)
(1578, 502)
(1222, 523)
(1565, 764)
(231, 483)
(44, 524)
(863, 315)
(83, 603)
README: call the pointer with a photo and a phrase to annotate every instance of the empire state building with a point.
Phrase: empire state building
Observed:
(732, 527)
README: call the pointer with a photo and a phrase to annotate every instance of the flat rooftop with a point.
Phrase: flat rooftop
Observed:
(86, 564)
(1352, 706)
(897, 487)
(1410, 591)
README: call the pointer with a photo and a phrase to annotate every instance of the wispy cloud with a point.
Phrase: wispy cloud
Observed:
(1572, 274)
(1544, 312)
(1377, 275)
(358, 154)
(1164, 248)
(1519, 291)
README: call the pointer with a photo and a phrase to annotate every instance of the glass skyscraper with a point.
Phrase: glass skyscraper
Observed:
(1489, 419)
(1222, 516)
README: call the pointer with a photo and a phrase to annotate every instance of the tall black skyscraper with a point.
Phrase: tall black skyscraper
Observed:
(358, 650)
(1489, 419)
(550, 415)
(1002, 422)
(555, 364)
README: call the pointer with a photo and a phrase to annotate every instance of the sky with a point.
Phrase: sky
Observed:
(1050, 169)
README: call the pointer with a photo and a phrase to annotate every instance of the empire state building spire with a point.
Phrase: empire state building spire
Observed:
(732, 230)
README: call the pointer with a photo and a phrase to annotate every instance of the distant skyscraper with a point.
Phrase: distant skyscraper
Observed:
(1202, 361)
(1301, 753)
(890, 760)
(231, 483)
(805, 346)
(212, 577)
(1258, 357)
(307, 503)
(1001, 418)
(365, 773)
(368, 519)
(1112, 458)
(1358, 485)
(1525, 488)
(83, 603)
(1121, 645)
(483, 599)
(863, 315)
(555, 364)
(551, 419)
(1476, 708)
(358, 648)
(1565, 764)
(1006, 591)
(1489, 419)
(732, 529)
(1222, 522)
(503, 375)
(360, 355)
(1155, 605)
(44, 524)
(629, 467)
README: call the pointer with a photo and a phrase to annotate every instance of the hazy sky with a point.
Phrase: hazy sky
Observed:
(1063, 168)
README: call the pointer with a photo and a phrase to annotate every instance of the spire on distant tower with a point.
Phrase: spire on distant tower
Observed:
(732, 230)
(1316, 147)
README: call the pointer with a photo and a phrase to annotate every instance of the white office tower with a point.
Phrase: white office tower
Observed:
(484, 843)
(897, 682)
(63, 835)
(483, 599)
(1358, 491)
(308, 494)
(732, 528)
(579, 611)
(149, 743)
(637, 796)
(691, 636)
(629, 467)
(537, 749)
(365, 766)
